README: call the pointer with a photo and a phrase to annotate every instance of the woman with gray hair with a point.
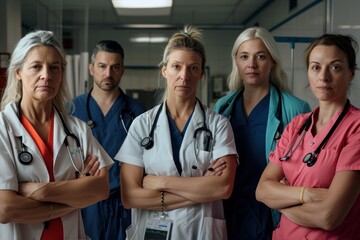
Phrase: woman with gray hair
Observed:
(44, 177)
(178, 159)
(259, 107)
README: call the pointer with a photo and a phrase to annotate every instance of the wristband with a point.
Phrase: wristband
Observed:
(302, 195)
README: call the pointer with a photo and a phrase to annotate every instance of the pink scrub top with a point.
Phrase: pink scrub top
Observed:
(340, 153)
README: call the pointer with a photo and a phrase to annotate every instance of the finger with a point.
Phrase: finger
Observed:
(97, 173)
(94, 167)
(219, 173)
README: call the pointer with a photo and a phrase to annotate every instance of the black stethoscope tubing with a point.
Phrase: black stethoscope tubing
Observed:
(91, 123)
(148, 142)
(311, 158)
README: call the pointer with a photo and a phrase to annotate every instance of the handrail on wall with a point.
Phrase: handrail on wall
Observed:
(292, 41)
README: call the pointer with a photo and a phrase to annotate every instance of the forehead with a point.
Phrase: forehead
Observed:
(42, 53)
(184, 55)
(253, 45)
(330, 53)
(108, 57)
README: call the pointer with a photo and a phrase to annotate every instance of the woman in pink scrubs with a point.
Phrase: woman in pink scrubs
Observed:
(313, 176)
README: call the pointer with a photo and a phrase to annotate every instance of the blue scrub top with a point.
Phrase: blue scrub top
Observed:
(176, 139)
(109, 130)
(108, 219)
(246, 217)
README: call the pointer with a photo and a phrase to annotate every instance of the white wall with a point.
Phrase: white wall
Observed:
(308, 19)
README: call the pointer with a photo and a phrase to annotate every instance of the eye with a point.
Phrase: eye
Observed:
(195, 68)
(335, 68)
(55, 68)
(35, 67)
(261, 56)
(101, 66)
(243, 57)
(176, 66)
(315, 68)
(116, 68)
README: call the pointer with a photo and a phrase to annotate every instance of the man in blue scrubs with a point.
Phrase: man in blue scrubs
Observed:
(109, 112)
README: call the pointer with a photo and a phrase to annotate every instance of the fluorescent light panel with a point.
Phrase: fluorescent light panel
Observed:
(142, 7)
(142, 3)
(148, 39)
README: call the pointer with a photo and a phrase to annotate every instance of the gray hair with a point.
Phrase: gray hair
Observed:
(109, 46)
(13, 90)
(277, 75)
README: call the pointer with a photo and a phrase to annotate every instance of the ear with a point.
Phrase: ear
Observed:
(18, 74)
(91, 69)
(273, 64)
(352, 74)
(163, 71)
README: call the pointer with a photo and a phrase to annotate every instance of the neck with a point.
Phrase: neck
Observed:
(328, 110)
(105, 98)
(180, 109)
(36, 113)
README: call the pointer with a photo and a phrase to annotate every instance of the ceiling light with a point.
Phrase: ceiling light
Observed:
(142, 7)
(148, 39)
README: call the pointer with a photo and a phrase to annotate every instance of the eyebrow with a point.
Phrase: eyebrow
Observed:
(332, 62)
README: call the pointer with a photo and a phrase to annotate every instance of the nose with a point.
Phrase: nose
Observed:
(107, 71)
(45, 73)
(324, 75)
(185, 72)
(252, 63)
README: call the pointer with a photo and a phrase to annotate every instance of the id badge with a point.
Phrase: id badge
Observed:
(157, 229)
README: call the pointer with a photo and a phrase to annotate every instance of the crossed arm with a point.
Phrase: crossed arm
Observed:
(321, 208)
(36, 202)
(144, 192)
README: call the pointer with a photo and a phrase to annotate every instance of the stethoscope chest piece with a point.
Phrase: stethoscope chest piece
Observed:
(147, 143)
(25, 157)
(90, 123)
(310, 159)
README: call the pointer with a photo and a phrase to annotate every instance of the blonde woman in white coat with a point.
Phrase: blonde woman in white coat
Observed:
(179, 158)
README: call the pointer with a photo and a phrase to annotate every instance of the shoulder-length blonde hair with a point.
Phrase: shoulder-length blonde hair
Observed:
(277, 75)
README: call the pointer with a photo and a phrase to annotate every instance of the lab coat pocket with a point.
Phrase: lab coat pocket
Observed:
(214, 229)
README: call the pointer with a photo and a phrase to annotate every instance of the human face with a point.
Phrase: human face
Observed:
(329, 73)
(254, 63)
(183, 72)
(41, 74)
(107, 70)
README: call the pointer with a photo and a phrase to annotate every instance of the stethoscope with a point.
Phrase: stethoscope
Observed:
(311, 158)
(25, 157)
(148, 142)
(278, 113)
(125, 109)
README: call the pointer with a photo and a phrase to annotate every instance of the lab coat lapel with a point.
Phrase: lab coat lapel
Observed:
(163, 140)
(59, 135)
(15, 126)
(187, 158)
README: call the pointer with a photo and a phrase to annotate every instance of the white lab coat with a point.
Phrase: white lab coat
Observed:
(12, 172)
(201, 221)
